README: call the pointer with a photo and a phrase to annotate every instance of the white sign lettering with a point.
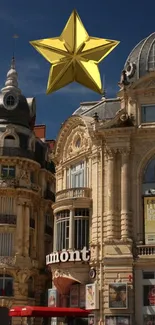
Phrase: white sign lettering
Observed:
(68, 256)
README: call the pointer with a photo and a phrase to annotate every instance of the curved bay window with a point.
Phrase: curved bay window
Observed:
(62, 230)
(6, 285)
(81, 227)
(148, 189)
(78, 237)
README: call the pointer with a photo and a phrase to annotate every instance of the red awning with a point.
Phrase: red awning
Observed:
(36, 311)
(16, 311)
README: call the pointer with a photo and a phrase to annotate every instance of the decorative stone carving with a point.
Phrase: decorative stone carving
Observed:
(23, 289)
(77, 142)
(6, 302)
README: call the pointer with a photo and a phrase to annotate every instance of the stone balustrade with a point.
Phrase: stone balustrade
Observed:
(82, 192)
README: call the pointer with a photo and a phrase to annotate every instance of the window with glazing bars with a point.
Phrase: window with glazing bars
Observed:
(81, 228)
(62, 230)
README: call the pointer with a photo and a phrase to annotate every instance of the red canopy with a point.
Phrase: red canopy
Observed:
(16, 311)
(37, 311)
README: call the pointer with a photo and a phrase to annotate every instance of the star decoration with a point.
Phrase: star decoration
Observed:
(74, 56)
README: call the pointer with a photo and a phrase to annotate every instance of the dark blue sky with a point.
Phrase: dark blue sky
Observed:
(126, 21)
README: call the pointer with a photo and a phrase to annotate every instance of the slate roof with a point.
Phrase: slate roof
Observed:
(105, 108)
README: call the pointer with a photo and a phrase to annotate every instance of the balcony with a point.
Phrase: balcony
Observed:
(6, 219)
(49, 195)
(83, 192)
(15, 183)
(17, 152)
(8, 182)
(7, 260)
(145, 250)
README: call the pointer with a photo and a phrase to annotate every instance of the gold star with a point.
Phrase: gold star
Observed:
(74, 56)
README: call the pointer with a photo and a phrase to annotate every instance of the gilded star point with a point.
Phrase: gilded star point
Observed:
(74, 56)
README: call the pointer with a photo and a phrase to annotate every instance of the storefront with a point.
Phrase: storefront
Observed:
(73, 285)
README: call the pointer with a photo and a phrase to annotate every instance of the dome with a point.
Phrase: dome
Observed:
(141, 60)
(20, 115)
(15, 108)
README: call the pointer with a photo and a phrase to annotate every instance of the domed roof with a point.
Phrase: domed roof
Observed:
(15, 108)
(141, 60)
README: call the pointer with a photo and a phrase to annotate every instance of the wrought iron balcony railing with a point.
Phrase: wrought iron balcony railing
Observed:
(8, 219)
(15, 183)
(17, 152)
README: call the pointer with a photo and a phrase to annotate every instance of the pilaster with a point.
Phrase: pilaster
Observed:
(111, 213)
(126, 222)
(19, 229)
(26, 229)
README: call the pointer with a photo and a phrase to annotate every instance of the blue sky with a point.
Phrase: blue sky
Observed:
(128, 22)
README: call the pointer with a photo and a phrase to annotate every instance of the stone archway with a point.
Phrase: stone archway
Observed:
(4, 316)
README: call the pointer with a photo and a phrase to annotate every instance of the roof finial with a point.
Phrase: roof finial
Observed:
(13, 63)
(12, 79)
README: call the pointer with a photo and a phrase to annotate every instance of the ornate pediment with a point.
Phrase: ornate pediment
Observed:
(78, 142)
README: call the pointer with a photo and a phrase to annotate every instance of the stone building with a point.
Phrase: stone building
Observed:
(27, 186)
(105, 200)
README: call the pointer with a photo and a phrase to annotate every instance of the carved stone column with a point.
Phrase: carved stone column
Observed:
(19, 229)
(125, 196)
(26, 229)
(111, 194)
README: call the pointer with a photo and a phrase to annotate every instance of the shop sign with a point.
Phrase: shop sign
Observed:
(68, 256)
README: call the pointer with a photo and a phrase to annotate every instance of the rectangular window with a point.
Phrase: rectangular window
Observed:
(6, 244)
(62, 230)
(68, 178)
(81, 234)
(148, 113)
(81, 228)
(6, 286)
(148, 275)
(77, 175)
(8, 171)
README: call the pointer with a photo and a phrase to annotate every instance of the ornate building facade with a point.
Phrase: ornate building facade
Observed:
(104, 214)
(27, 186)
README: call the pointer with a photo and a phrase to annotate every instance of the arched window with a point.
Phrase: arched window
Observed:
(149, 177)
(9, 141)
